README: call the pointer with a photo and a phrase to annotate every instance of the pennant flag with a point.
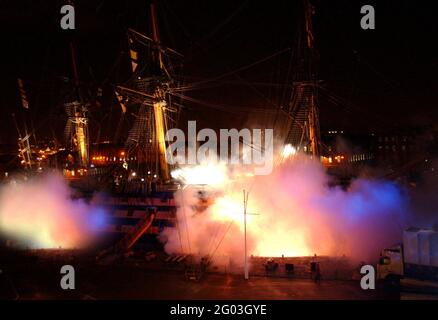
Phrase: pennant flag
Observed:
(121, 102)
(134, 55)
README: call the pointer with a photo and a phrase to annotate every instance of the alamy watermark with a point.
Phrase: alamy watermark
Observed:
(68, 19)
(68, 279)
(368, 280)
(368, 21)
(245, 147)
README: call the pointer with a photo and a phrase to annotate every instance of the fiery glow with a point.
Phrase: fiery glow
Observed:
(205, 174)
(41, 214)
(291, 212)
(270, 246)
(289, 150)
(267, 236)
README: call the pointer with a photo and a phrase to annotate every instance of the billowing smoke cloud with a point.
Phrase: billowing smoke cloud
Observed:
(292, 212)
(40, 213)
(424, 196)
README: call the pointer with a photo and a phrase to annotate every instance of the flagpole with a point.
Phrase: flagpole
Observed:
(245, 201)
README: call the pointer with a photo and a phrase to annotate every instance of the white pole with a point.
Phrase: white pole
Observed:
(245, 200)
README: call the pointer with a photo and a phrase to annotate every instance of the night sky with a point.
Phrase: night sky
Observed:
(386, 77)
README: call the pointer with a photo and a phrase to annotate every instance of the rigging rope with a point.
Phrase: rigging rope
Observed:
(223, 108)
(194, 85)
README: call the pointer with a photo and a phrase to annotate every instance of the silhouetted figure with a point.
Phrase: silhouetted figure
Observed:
(317, 274)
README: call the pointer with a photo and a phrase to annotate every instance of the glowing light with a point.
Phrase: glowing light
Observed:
(289, 150)
(291, 212)
(51, 219)
(208, 174)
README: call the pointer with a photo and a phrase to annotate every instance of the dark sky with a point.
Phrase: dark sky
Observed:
(385, 77)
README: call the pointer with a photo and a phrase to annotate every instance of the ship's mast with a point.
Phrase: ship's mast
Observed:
(154, 67)
(159, 98)
(79, 116)
(303, 126)
(76, 130)
(313, 109)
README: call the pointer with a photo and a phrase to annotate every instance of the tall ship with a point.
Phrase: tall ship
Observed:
(134, 174)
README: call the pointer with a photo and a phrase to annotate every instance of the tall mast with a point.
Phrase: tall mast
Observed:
(159, 101)
(313, 109)
(155, 33)
(303, 127)
(77, 115)
(149, 88)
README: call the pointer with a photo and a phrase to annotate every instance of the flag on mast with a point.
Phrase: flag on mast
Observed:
(133, 54)
(121, 101)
